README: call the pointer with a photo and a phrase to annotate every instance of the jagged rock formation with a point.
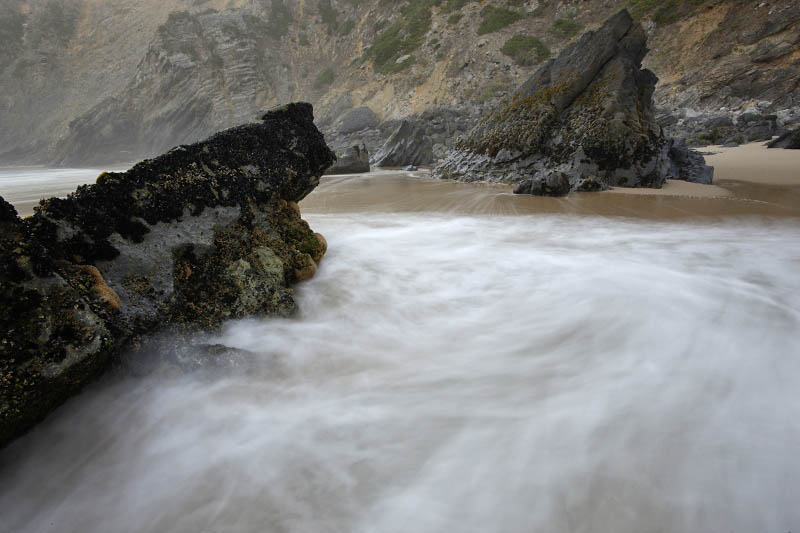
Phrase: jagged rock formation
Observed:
(408, 145)
(354, 160)
(790, 140)
(584, 121)
(199, 235)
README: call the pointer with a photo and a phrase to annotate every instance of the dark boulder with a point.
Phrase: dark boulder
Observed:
(587, 115)
(204, 233)
(354, 160)
(789, 140)
(358, 119)
(687, 164)
(408, 145)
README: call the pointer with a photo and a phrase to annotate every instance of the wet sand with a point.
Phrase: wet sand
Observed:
(398, 191)
(748, 180)
(755, 163)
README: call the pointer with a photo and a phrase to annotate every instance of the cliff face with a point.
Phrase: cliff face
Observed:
(179, 243)
(109, 80)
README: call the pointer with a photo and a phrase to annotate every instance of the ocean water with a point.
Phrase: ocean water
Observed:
(463, 372)
(25, 186)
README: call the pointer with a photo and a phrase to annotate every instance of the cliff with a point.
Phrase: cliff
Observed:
(94, 82)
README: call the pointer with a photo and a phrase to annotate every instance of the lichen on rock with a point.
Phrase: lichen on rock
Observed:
(204, 233)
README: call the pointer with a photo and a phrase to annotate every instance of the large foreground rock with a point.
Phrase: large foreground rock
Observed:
(354, 160)
(204, 233)
(584, 121)
(408, 145)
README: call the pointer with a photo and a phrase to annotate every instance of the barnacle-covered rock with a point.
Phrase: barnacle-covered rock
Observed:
(204, 233)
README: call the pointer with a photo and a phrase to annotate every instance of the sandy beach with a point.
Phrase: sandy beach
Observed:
(748, 180)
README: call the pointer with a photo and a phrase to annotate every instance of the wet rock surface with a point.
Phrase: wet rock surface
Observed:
(180, 243)
(586, 117)
(354, 160)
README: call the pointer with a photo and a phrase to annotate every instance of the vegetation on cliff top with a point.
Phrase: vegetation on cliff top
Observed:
(663, 11)
(526, 50)
(402, 37)
(496, 18)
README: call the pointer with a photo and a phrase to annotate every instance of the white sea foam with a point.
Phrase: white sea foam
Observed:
(464, 373)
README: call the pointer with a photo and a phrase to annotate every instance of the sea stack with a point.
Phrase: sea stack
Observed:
(584, 121)
(204, 233)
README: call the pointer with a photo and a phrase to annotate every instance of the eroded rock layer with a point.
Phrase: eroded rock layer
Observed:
(584, 121)
(204, 233)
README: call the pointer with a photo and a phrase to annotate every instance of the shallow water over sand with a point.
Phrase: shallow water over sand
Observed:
(458, 371)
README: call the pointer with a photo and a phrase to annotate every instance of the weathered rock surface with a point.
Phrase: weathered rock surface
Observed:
(408, 145)
(201, 234)
(790, 140)
(354, 160)
(585, 121)
(725, 128)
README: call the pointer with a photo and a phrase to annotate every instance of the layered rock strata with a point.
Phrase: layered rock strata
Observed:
(584, 121)
(204, 233)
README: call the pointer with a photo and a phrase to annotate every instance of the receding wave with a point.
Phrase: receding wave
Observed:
(463, 373)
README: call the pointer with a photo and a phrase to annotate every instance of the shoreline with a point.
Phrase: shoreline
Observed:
(749, 179)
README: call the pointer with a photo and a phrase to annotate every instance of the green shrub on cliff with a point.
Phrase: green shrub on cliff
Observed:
(496, 18)
(452, 5)
(663, 11)
(402, 37)
(324, 78)
(328, 15)
(565, 27)
(280, 18)
(454, 18)
(526, 50)
(347, 27)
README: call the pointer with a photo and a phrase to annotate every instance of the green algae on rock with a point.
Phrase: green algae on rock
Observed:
(584, 121)
(204, 233)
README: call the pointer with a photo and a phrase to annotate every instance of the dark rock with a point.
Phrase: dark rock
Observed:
(759, 132)
(411, 168)
(790, 140)
(587, 115)
(408, 145)
(202, 234)
(355, 160)
(687, 164)
(767, 51)
(358, 119)
(552, 184)
(54, 338)
(719, 122)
